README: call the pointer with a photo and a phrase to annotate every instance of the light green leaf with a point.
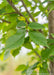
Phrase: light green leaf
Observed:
(16, 40)
(38, 38)
(35, 25)
(29, 71)
(34, 73)
(52, 35)
(20, 67)
(6, 54)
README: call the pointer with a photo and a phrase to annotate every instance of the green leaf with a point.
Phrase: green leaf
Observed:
(51, 58)
(34, 66)
(29, 71)
(2, 11)
(27, 43)
(34, 73)
(16, 40)
(15, 1)
(52, 35)
(43, 71)
(38, 38)
(44, 64)
(6, 54)
(50, 41)
(20, 67)
(47, 52)
(21, 24)
(16, 52)
(35, 25)
(49, 0)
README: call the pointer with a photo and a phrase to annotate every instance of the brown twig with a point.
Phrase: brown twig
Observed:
(37, 53)
(10, 13)
(16, 10)
(5, 20)
(27, 11)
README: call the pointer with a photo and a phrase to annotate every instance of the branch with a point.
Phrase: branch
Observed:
(10, 13)
(17, 11)
(37, 53)
(5, 20)
(39, 1)
(28, 11)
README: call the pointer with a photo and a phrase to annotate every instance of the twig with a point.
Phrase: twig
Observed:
(28, 11)
(5, 20)
(17, 11)
(37, 53)
(10, 13)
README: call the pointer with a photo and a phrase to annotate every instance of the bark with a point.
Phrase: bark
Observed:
(51, 30)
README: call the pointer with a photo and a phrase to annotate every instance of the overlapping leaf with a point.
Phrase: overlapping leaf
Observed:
(16, 40)
(36, 26)
(38, 38)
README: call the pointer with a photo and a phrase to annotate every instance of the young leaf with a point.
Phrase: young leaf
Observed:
(20, 67)
(38, 38)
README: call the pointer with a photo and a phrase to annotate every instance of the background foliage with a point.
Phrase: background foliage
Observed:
(19, 18)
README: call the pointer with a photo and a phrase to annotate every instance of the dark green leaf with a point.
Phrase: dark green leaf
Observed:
(27, 43)
(16, 52)
(43, 71)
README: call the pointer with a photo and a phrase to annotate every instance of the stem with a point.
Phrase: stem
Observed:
(17, 11)
(28, 11)
(36, 53)
(5, 20)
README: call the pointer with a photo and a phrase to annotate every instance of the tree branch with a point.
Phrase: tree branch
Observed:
(5, 20)
(37, 53)
(17, 11)
(28, 11)
(10, 13)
